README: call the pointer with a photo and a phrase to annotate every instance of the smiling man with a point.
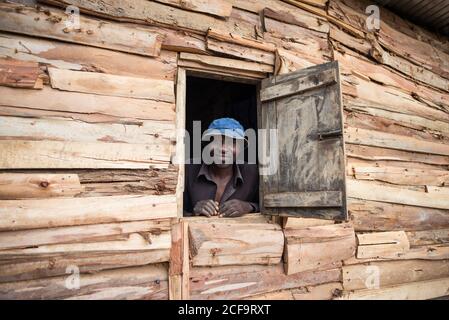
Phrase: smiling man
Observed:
(222, 187)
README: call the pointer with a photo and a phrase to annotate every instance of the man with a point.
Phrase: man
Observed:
(222, 188)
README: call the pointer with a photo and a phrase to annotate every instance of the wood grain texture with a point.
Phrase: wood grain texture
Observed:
(316, 247)
(31, 214)
(52, 23)
(237, 282)
(148, 282)
(20, 74)
(392, 273)
(378, 244)
(112, 85)
(22, 185)
(235, 244)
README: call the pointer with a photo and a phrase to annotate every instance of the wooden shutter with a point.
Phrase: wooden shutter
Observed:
(306, 109)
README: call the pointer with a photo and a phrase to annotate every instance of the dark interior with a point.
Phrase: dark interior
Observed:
(209, 99)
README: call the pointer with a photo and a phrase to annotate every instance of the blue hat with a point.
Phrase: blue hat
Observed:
(225, 127)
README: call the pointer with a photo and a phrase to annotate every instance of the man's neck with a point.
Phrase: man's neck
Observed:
(221, 172)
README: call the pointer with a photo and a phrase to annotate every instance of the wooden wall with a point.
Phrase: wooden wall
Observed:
(87, 135)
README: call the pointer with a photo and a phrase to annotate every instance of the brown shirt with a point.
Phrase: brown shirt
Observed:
(199, 185)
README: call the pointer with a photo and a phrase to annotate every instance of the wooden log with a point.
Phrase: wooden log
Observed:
(89, 107)
(378, 244)
(22, 185)
(392, 141)
(373, 191)
(235, 244)
(68, 154)
(57, 264)
(411, 291)
(314, 247)
(57, 212)
(147, 132)
(237, 282)
(219, 8)
(319, 292)
(63, 55)
(20, 74)
(149, 282)
(240, 51)
(227, 63)
(379, 216)
(53, 23)
(401, 176)
(386, 273)
(153, 13)
(82, 234)
(112, 85)
(185, 282)
(249, 218)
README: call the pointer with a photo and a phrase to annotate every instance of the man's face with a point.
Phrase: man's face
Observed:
(225, 151)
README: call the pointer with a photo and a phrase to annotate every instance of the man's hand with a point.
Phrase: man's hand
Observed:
(235, 208)
(206, 208)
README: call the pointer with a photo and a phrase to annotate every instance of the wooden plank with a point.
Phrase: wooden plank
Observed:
(132, 242)
(396, 156)
(304, 199)
(68, 154)
(153, 13)
(240, 51)
(89, 107)
(387, 273)
(221, 73)
(301, 223)
(34, 185)
(64, 55)
(319, 246)
(399, 175)
(393, 141)
(428, 237)
(43, 22)
(243, 41)
(80, 234)
(147, 132)
(309, 82)
(58, 212)
(235, 244)
(180, 151)
(176, 261)
(56, 265)
(149, 282)
(20, 74)
(219, 8)
(373, 191)
(302, 20)
(411, 291)
(378, 244)
(319, 292)
(112, 85)
(185, 282)
(226, 63)
(379, 216)
(237, 282)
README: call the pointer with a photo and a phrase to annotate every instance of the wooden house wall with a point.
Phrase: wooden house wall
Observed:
(87, 134)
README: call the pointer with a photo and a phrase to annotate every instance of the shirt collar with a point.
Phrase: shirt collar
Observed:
(204, 171)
